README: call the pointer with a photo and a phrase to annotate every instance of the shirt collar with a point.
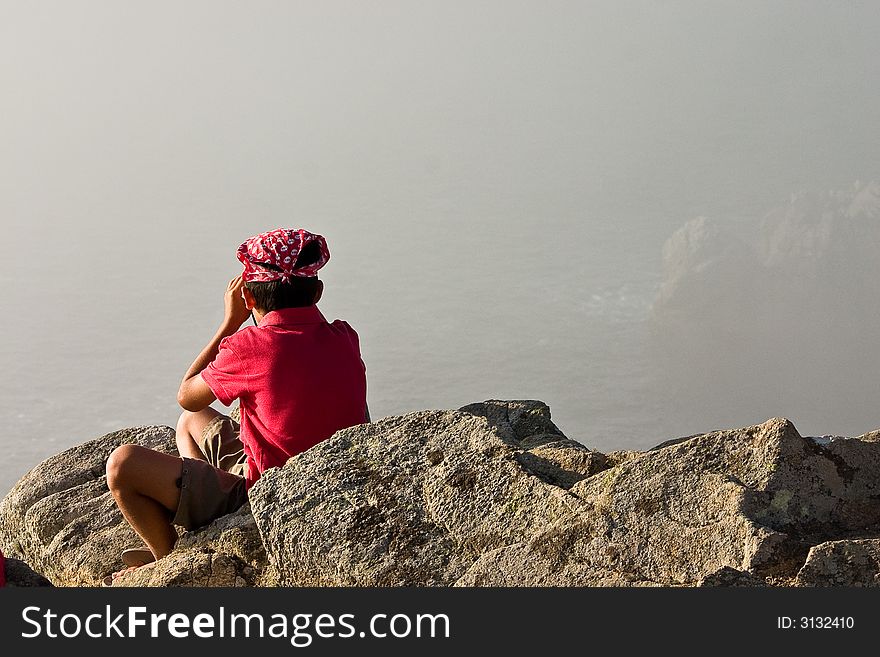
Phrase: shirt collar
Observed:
(283, 316)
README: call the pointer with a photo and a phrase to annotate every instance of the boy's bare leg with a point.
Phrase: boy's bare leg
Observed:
(144, 485)
(190, 426)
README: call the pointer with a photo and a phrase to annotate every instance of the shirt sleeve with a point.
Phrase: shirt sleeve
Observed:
(225, 375)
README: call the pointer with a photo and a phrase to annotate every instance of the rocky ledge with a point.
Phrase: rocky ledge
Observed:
(492, 494)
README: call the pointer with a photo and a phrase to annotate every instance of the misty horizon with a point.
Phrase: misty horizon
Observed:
(496, 183)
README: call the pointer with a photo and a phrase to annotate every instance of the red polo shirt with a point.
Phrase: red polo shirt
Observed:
(298, 379)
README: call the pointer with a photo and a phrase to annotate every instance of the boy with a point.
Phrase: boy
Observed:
(298, 379)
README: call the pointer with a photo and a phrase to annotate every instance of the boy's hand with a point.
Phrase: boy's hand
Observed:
(235, 311)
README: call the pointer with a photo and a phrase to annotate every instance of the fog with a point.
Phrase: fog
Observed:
(496, 181)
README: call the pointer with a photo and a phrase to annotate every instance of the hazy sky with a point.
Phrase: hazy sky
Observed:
(181, 111)
(476, 166)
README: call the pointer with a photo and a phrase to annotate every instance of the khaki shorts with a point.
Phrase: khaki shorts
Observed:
(216, 486)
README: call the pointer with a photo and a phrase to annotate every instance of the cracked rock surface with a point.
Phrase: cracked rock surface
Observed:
(492, 494)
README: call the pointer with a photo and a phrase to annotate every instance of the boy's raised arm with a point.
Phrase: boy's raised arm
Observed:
(194, 394)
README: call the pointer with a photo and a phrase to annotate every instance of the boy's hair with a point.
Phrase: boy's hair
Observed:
(299, 292)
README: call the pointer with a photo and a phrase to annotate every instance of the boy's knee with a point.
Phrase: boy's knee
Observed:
(121, 459)
(183, 420)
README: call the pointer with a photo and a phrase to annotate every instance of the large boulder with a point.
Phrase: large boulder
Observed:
(491, 494)
(413, 500)
(447, 497)
(752, 500)
(61, 519)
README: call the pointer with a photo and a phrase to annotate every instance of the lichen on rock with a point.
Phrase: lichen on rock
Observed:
(492, 494)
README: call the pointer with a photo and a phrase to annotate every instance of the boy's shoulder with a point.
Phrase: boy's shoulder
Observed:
(249, 338)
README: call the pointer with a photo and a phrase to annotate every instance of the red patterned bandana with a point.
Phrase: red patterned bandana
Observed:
(272, 256)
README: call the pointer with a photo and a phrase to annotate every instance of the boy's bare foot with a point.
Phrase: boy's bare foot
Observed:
(110, 580)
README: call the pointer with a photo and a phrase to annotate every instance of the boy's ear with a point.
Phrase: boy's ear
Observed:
(248, 297)
(319, 291)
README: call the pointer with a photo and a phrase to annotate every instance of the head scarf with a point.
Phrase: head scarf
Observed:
(279, 249)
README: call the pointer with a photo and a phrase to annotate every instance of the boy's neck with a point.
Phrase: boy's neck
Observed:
(259, 314)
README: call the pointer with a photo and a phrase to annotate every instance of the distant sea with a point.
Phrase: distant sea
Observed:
(562, 319)
(559, 312)
(496, 189)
